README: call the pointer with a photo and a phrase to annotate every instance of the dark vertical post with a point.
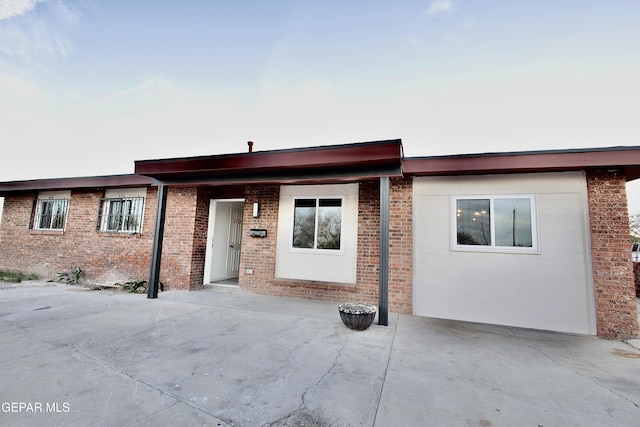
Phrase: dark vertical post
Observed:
(156, 253)
(383, 291)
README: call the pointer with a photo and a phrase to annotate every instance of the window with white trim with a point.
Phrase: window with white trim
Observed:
(50, 212)
(121, 212)
(324, 246)
(317, 223)
(495, 222)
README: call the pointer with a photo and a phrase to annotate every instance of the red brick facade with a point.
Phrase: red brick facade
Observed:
(616, 311)
(104, 257)
(258, 254)
(401, 245)
(107, 258)
(185, 238)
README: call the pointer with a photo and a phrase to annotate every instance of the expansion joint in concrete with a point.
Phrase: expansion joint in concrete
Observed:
(175, 398)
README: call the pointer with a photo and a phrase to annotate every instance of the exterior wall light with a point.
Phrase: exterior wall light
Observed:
(256, 210)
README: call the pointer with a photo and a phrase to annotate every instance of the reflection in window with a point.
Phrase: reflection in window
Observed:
(317, 223)
(473, 222)
(513, 222)
(497, 221)
(329, 223)
(304, 223)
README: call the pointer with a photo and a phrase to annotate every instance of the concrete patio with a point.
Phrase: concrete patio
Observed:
(219, 357)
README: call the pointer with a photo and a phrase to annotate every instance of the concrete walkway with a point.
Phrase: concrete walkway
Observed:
(75, 357)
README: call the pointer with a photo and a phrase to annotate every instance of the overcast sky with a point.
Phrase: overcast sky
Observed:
(87, 87)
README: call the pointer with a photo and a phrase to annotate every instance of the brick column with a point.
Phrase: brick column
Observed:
(616, 311)
(401, 246)
(184, 247)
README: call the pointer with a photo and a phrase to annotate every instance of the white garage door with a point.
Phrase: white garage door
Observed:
(484, 274)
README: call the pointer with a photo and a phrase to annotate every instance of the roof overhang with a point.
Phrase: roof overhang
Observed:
(113, 181)
(314, 164)
(625, 160)
(340, 163)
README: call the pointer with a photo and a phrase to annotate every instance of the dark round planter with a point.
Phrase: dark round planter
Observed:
(356, 315)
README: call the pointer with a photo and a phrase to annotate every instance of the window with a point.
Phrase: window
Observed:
(121, 210)
(317, 223)
(50, 214)
(122, 215)
(317, 235)
(499, 222)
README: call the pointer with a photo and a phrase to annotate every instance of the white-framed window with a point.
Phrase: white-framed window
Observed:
(494, 223)
(317, 223)
(317, 235)
(50, 211)
(121, 211)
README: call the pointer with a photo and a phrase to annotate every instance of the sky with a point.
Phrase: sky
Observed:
(89, 86)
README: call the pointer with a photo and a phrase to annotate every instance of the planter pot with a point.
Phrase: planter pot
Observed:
(358, 316)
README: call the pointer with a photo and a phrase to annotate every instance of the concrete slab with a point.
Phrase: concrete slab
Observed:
(469, 374)
(221, 358)
(64, 387)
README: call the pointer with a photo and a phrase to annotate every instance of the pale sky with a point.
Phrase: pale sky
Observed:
(87, 87)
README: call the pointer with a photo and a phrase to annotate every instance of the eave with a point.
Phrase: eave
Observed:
(335, 162)
(111, 181)
(625, 160)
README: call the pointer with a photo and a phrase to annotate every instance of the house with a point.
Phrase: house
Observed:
(533, 239)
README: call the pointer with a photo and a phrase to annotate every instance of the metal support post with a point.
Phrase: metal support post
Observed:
(156, 253)
(383, 292)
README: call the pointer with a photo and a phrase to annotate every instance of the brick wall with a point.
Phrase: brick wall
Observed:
(401, 245)
(259, 254)
(636, 274)
(107, 258)
(201, 226)
(616, 311)
(185, 237)
(104, 257)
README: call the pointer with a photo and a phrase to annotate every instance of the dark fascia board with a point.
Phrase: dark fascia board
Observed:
(114, 181)
(321, 176)
(358, 155)
(623, 159)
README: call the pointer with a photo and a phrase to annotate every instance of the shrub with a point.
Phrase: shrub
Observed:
(137, 286)
(16, 276)
(71, 277)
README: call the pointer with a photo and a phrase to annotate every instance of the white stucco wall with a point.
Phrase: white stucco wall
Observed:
(550, 289)
(320, 265)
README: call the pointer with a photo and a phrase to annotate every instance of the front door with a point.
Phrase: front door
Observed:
(235, 240)
(224, 237)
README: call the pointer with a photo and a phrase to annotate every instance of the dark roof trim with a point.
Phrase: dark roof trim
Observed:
(623, 159)
(364, 156)
(324, 176)
(75, 183)
(341, 163)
